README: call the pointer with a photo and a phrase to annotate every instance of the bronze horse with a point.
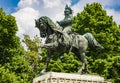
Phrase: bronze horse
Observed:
(56, 41)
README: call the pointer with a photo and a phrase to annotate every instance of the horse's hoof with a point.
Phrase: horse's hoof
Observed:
(80, 72)
(43, 71)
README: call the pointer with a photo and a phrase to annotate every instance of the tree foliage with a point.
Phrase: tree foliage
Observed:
(94, 19)
(64, 63)
(13, 66)
(36, 60)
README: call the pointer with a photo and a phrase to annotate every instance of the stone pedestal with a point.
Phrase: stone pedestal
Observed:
(54, 77)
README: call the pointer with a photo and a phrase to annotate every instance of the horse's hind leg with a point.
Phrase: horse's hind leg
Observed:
(81, 57)
(84, 64)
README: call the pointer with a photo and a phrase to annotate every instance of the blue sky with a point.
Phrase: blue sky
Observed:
(73, 2)
(9, 6)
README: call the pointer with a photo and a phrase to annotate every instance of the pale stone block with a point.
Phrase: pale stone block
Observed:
(55, 77)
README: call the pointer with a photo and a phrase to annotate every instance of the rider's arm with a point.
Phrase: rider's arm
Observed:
(66, 21)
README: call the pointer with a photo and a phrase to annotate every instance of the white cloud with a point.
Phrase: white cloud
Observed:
(115, 14)
(27, 3)
(25, 21)
(52, 3)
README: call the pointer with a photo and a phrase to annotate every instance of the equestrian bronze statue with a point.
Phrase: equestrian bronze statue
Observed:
(57, 41)
(65, 40)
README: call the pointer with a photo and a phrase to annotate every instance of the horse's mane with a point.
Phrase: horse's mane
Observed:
(51, 24)
(48, 21)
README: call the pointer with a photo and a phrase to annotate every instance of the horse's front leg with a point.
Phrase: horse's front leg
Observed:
(50, 45)
(47, 62)
(84, 64)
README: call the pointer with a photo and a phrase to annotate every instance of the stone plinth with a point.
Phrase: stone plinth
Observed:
(54, 77)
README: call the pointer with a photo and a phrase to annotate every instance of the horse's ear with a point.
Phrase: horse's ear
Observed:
(35, 23)
(35, 20)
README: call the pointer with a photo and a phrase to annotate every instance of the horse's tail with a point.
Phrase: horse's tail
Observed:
(92, 41)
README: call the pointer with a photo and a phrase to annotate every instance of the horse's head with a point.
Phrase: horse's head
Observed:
(45, 25)
(41, 24)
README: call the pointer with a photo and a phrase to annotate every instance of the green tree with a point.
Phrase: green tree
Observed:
(8, 77)
(34, 55)
(9, 42)
(64, 63)
(94, 19)
(13, 66)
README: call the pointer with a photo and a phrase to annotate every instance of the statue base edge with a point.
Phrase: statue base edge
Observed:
(58, 77)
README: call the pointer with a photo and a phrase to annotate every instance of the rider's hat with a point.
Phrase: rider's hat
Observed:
(67, 8)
